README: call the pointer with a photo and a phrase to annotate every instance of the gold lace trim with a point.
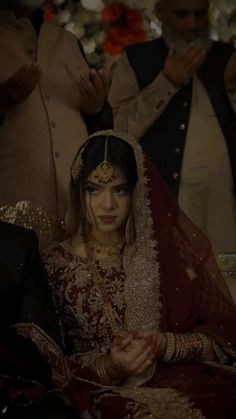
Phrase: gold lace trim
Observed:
(142, 285)
(163, 403)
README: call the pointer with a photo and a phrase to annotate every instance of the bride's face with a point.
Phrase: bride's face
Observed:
(107, 205)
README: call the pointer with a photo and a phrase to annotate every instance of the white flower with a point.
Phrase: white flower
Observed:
(156, 27)
(94, 58)
(89, 45)
(93, 5)
(76, 29)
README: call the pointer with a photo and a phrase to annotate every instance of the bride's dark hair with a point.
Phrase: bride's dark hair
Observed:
(119, 154)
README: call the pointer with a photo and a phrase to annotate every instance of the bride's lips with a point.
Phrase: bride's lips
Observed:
(108, 219)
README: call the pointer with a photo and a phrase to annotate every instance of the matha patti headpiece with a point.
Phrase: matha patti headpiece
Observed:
(104, 172)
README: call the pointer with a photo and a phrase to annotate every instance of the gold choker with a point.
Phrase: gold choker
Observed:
(113, 248)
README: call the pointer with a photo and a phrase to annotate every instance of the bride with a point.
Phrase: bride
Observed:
(143, 308)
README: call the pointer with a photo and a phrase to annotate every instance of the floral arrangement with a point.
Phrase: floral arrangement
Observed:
(125, 26)
(106, 27)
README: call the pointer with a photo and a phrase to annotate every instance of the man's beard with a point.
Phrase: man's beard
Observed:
(202, 39)
(33, 4)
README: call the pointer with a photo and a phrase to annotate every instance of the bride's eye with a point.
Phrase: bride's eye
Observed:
(91, 189)
(123, 190)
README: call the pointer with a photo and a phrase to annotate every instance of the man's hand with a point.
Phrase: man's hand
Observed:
(17, 88)
(93, 91)
(230, 75)
(180, 67)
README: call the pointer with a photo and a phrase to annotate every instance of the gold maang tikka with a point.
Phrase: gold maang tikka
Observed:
(104, 172)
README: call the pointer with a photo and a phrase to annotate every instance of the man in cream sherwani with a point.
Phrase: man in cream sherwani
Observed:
(49, 101)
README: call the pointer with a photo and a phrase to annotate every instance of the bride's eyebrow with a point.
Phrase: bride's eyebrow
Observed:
(122, 185)
(90, 183)
(98, 185)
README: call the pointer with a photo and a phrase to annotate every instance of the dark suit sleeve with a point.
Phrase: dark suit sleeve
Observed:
(19, 357)
(37, 306)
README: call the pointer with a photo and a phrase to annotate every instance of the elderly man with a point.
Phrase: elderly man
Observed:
(177, 96)
(49, 101)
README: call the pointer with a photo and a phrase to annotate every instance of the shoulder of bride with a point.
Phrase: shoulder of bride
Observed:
(75, 247)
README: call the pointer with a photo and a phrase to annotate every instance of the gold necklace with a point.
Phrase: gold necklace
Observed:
(111, 315)
(113, 248)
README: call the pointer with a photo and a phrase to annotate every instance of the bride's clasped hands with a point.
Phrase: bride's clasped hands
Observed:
(133, 352)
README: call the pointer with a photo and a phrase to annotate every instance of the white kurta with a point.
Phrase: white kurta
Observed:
(40, 137)
(206, 186)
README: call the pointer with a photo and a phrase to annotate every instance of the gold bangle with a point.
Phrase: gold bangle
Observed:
(170, 347)
(105, 372)
(207, 347)
(190, 346)
(100, 369)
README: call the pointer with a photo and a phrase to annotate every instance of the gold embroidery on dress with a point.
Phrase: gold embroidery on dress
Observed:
(106, 304)
(82, 328)
(163, 403)
(159, 403)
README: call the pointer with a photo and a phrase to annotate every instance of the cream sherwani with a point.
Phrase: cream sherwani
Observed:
(206, 186)
(39, 138)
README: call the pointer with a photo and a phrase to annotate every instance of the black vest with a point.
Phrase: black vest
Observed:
(164, 141)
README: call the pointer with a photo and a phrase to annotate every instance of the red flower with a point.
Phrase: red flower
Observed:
(49, 14)
(111, 13)
(126, 27)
